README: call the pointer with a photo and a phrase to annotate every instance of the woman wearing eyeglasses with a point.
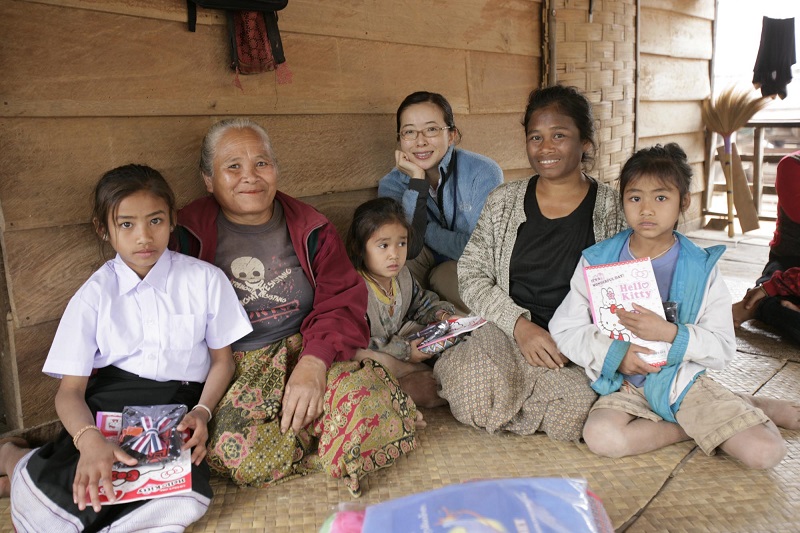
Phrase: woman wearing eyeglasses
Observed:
(442, 190)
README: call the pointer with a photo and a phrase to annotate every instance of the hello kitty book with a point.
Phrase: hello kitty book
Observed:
(618, 285)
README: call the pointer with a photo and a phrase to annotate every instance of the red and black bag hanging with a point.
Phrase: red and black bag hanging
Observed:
(253, 33)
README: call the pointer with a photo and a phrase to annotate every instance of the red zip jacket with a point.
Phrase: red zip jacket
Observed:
(336, 326)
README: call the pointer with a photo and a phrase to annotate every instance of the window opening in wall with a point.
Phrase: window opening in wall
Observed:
(739, 24)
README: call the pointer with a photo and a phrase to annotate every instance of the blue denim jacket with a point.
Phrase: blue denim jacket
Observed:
(465, 192)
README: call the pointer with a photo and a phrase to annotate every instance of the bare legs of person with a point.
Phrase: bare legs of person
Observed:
(12, 449)
(783, 413)
(763, 446)
(613, 433)
(759, 447)
(416, 379)
(789, 305)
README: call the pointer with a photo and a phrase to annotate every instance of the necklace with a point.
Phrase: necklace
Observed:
(388, 293)
(674, 240)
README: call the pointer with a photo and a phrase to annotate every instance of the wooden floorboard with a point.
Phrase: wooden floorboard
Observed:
(675, 489)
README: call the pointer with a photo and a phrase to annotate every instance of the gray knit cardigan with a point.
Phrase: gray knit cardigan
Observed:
(483, 269)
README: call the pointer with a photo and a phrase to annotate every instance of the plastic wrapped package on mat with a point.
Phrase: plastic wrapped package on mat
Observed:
(439, 336)
(552, 505)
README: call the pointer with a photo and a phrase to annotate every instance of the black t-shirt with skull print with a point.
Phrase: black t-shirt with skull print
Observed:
(266, 274)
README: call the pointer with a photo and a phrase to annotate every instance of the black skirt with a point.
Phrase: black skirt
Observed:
(52, 467)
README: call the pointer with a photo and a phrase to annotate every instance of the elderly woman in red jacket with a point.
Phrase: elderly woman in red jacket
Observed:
(295, 390)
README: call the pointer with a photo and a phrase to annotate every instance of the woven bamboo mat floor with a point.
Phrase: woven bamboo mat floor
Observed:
(675, 489)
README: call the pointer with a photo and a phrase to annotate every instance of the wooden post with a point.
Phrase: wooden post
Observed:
(758, 165)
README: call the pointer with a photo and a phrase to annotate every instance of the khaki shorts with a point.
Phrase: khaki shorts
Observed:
(709, 413)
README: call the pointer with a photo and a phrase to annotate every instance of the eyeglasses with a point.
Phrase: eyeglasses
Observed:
(429, 132)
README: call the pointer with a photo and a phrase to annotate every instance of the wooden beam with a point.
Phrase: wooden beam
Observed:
(31, 346)
(316, 154)
(499, 83)
(482, 25)
(676, 35)
(668, 79)
(159, 69)
(696, 8)
(669, 118)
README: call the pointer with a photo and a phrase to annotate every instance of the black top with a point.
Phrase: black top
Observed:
(546, 253)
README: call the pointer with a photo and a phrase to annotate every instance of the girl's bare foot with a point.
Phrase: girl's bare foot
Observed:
(790, 305)
(785, 414)
(419, 422)
(423, 388)
(398, 368)
(12, 449)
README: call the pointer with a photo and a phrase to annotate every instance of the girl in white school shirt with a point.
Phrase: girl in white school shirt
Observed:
(149, 327)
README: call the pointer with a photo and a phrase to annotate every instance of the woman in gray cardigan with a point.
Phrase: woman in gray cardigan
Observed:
(515, 271)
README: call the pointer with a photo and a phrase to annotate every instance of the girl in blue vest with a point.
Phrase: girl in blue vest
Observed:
(642, 407)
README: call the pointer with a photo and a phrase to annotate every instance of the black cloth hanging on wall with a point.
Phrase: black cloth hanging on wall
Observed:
(776, 55)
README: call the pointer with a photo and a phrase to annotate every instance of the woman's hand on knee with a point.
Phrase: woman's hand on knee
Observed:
(537, 346)
(305, 390)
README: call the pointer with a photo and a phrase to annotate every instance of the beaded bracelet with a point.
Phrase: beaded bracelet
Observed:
(207, 410)
(81, 431)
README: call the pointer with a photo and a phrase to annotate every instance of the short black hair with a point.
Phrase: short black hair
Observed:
(367, 218)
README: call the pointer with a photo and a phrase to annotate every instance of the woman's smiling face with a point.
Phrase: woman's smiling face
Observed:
(245, 177)
(425, 152)
(554, 145)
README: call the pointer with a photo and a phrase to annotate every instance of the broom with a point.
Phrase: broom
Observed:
(731, 111)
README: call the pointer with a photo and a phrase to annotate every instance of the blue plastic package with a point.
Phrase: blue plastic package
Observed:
(552, 505)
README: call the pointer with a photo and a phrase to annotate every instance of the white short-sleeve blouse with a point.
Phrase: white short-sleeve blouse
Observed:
(159, 327)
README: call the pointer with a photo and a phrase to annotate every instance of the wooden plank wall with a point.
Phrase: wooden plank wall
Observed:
(675, 55)
(109, 82)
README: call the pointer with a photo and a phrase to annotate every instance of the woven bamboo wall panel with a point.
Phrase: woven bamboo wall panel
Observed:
(598, 57)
